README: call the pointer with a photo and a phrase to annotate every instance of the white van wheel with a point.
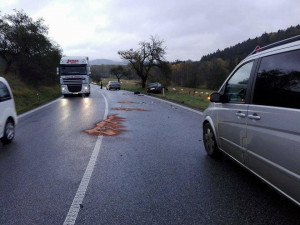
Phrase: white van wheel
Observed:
(9, 132)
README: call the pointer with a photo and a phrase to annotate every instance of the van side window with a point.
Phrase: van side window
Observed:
(278, 81)
(236, 87)
(4, 93)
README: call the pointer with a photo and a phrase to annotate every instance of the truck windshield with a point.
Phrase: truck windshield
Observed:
(73, 70)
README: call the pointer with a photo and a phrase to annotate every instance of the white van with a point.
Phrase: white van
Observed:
(8, 115)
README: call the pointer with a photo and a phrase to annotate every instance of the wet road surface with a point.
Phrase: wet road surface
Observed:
(155, 171)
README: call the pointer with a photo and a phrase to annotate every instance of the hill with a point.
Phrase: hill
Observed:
(211, 71)
(106, 62)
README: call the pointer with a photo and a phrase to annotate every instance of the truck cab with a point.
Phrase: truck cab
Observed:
(74, 74)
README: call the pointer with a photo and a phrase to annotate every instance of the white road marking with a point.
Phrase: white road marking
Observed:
(36, 109)
(75, 207)
(172, 103)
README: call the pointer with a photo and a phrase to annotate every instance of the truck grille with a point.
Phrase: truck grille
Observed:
(74, 87)
(73, 80)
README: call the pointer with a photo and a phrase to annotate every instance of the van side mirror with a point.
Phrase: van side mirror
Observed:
(57, 70)
(215, 97)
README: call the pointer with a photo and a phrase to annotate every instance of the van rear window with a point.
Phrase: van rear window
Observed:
(278, 81)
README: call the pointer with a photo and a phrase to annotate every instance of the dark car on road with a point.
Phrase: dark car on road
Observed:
(113, 85)
(154, 88)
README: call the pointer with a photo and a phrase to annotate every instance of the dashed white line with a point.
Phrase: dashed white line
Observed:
(79, 196)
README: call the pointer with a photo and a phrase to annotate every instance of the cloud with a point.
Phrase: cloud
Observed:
(100, 29)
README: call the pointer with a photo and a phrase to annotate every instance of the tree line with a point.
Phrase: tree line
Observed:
(209, 72)
(26, 49)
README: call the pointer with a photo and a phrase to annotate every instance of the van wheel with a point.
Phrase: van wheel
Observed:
(209, 140)
(87, 94)
(9, 132)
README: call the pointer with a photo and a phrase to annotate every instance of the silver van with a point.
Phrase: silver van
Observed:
(255, 116)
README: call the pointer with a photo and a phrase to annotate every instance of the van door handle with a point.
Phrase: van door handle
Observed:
(240, 114)
(254, 116)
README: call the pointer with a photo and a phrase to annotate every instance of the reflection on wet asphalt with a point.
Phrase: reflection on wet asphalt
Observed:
(156, 172)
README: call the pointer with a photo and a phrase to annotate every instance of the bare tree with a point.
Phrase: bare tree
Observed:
(117, 71)
(149, 55)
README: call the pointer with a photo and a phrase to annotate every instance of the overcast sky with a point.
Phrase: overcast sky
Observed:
(190, 28)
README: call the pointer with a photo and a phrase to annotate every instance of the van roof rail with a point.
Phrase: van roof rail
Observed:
(278, 43)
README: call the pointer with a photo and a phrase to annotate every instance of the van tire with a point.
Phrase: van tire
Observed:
(209, 141)
(9, 132)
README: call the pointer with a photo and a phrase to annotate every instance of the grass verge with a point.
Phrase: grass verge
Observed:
(192, 97)
(26, 97)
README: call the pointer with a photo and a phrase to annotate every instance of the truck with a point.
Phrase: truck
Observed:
(74, 72)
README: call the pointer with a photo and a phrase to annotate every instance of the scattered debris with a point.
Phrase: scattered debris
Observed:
(130, 109)
(110, 127)
(129, 102)
(81, 206)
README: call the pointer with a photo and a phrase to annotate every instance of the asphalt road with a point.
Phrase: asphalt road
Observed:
(155, 172)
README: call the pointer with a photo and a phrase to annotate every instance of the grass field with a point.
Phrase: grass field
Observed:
(25, 95)
(193, 97)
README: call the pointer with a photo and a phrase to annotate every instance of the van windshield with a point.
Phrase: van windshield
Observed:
(73, 70)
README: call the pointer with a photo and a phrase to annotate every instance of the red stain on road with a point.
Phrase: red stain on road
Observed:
(112, 126)
(131, 109)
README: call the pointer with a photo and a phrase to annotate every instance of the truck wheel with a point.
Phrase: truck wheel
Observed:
(209, 140)
(9, 132)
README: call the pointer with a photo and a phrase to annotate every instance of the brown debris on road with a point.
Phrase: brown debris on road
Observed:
(129, 102)
(130, 109)
(110, 127)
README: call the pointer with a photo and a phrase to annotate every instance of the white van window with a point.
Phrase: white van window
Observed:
(4, 93)
(278, 81)
(236, 87)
